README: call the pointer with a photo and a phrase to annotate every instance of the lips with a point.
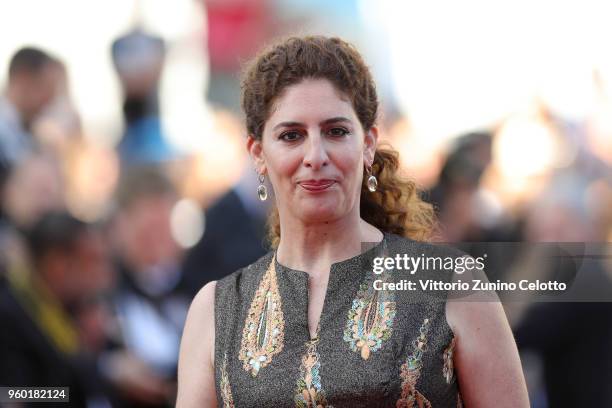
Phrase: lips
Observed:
(316, 185)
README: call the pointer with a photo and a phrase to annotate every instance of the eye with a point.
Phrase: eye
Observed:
(338, 132)
(290, 136)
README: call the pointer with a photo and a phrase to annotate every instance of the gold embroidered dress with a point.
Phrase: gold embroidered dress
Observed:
(373, 348)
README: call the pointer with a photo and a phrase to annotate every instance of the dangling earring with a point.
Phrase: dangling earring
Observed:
(372, 182)
(262, 190)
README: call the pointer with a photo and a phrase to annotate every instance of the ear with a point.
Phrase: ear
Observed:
(369, 146)
(255, 148)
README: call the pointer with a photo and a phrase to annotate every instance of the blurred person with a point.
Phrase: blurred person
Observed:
(303, 325)
(571, 338)
(33, 79)
(53, 320)
(34, 187)
(462, 211)
(150, 309)
(236, 220)
(138, 58)
(58, 125)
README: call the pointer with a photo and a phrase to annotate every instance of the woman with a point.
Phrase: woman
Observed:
(303, 326)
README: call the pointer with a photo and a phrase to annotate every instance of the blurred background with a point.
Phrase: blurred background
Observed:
(125, 184)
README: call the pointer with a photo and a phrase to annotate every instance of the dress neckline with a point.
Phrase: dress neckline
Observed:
(371, 249)
(344, 279)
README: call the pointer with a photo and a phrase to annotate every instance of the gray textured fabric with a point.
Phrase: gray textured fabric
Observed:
(345, 378)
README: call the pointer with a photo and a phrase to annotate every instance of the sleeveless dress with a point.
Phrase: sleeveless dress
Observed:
(374, 348)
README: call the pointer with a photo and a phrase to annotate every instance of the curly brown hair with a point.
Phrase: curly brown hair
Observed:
(396, 206)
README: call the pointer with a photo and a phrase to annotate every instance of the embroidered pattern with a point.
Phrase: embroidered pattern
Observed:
(309, 393)
(411, 371)
(448, 370)
(370, 320)
(224, 385)
(263, 333)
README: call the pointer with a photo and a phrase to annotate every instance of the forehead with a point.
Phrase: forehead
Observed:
(311, 99)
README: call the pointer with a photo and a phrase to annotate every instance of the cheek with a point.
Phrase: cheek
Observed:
(281, 165)
(350, 164)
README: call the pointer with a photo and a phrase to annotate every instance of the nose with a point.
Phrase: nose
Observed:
(315, 155)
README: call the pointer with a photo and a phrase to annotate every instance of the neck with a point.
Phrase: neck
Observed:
(313, 248)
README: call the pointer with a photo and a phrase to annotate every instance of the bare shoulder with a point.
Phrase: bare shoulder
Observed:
(486, 357)
(204, 300)
(201, 316)
(480, 312)
(476, 310)
(196, 385)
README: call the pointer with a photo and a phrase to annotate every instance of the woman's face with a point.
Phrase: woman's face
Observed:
(313, 150)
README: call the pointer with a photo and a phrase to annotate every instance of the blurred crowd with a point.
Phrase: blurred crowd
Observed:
(103, 248)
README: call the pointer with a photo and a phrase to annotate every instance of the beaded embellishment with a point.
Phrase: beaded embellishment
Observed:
(448, 370)
(224, 385)
(264, 328)
(309, 391)
(370, 320)
(410, 372)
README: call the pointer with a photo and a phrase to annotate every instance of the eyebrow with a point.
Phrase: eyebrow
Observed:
(325, 122)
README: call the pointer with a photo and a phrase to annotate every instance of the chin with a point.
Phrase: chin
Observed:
(319, 212)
